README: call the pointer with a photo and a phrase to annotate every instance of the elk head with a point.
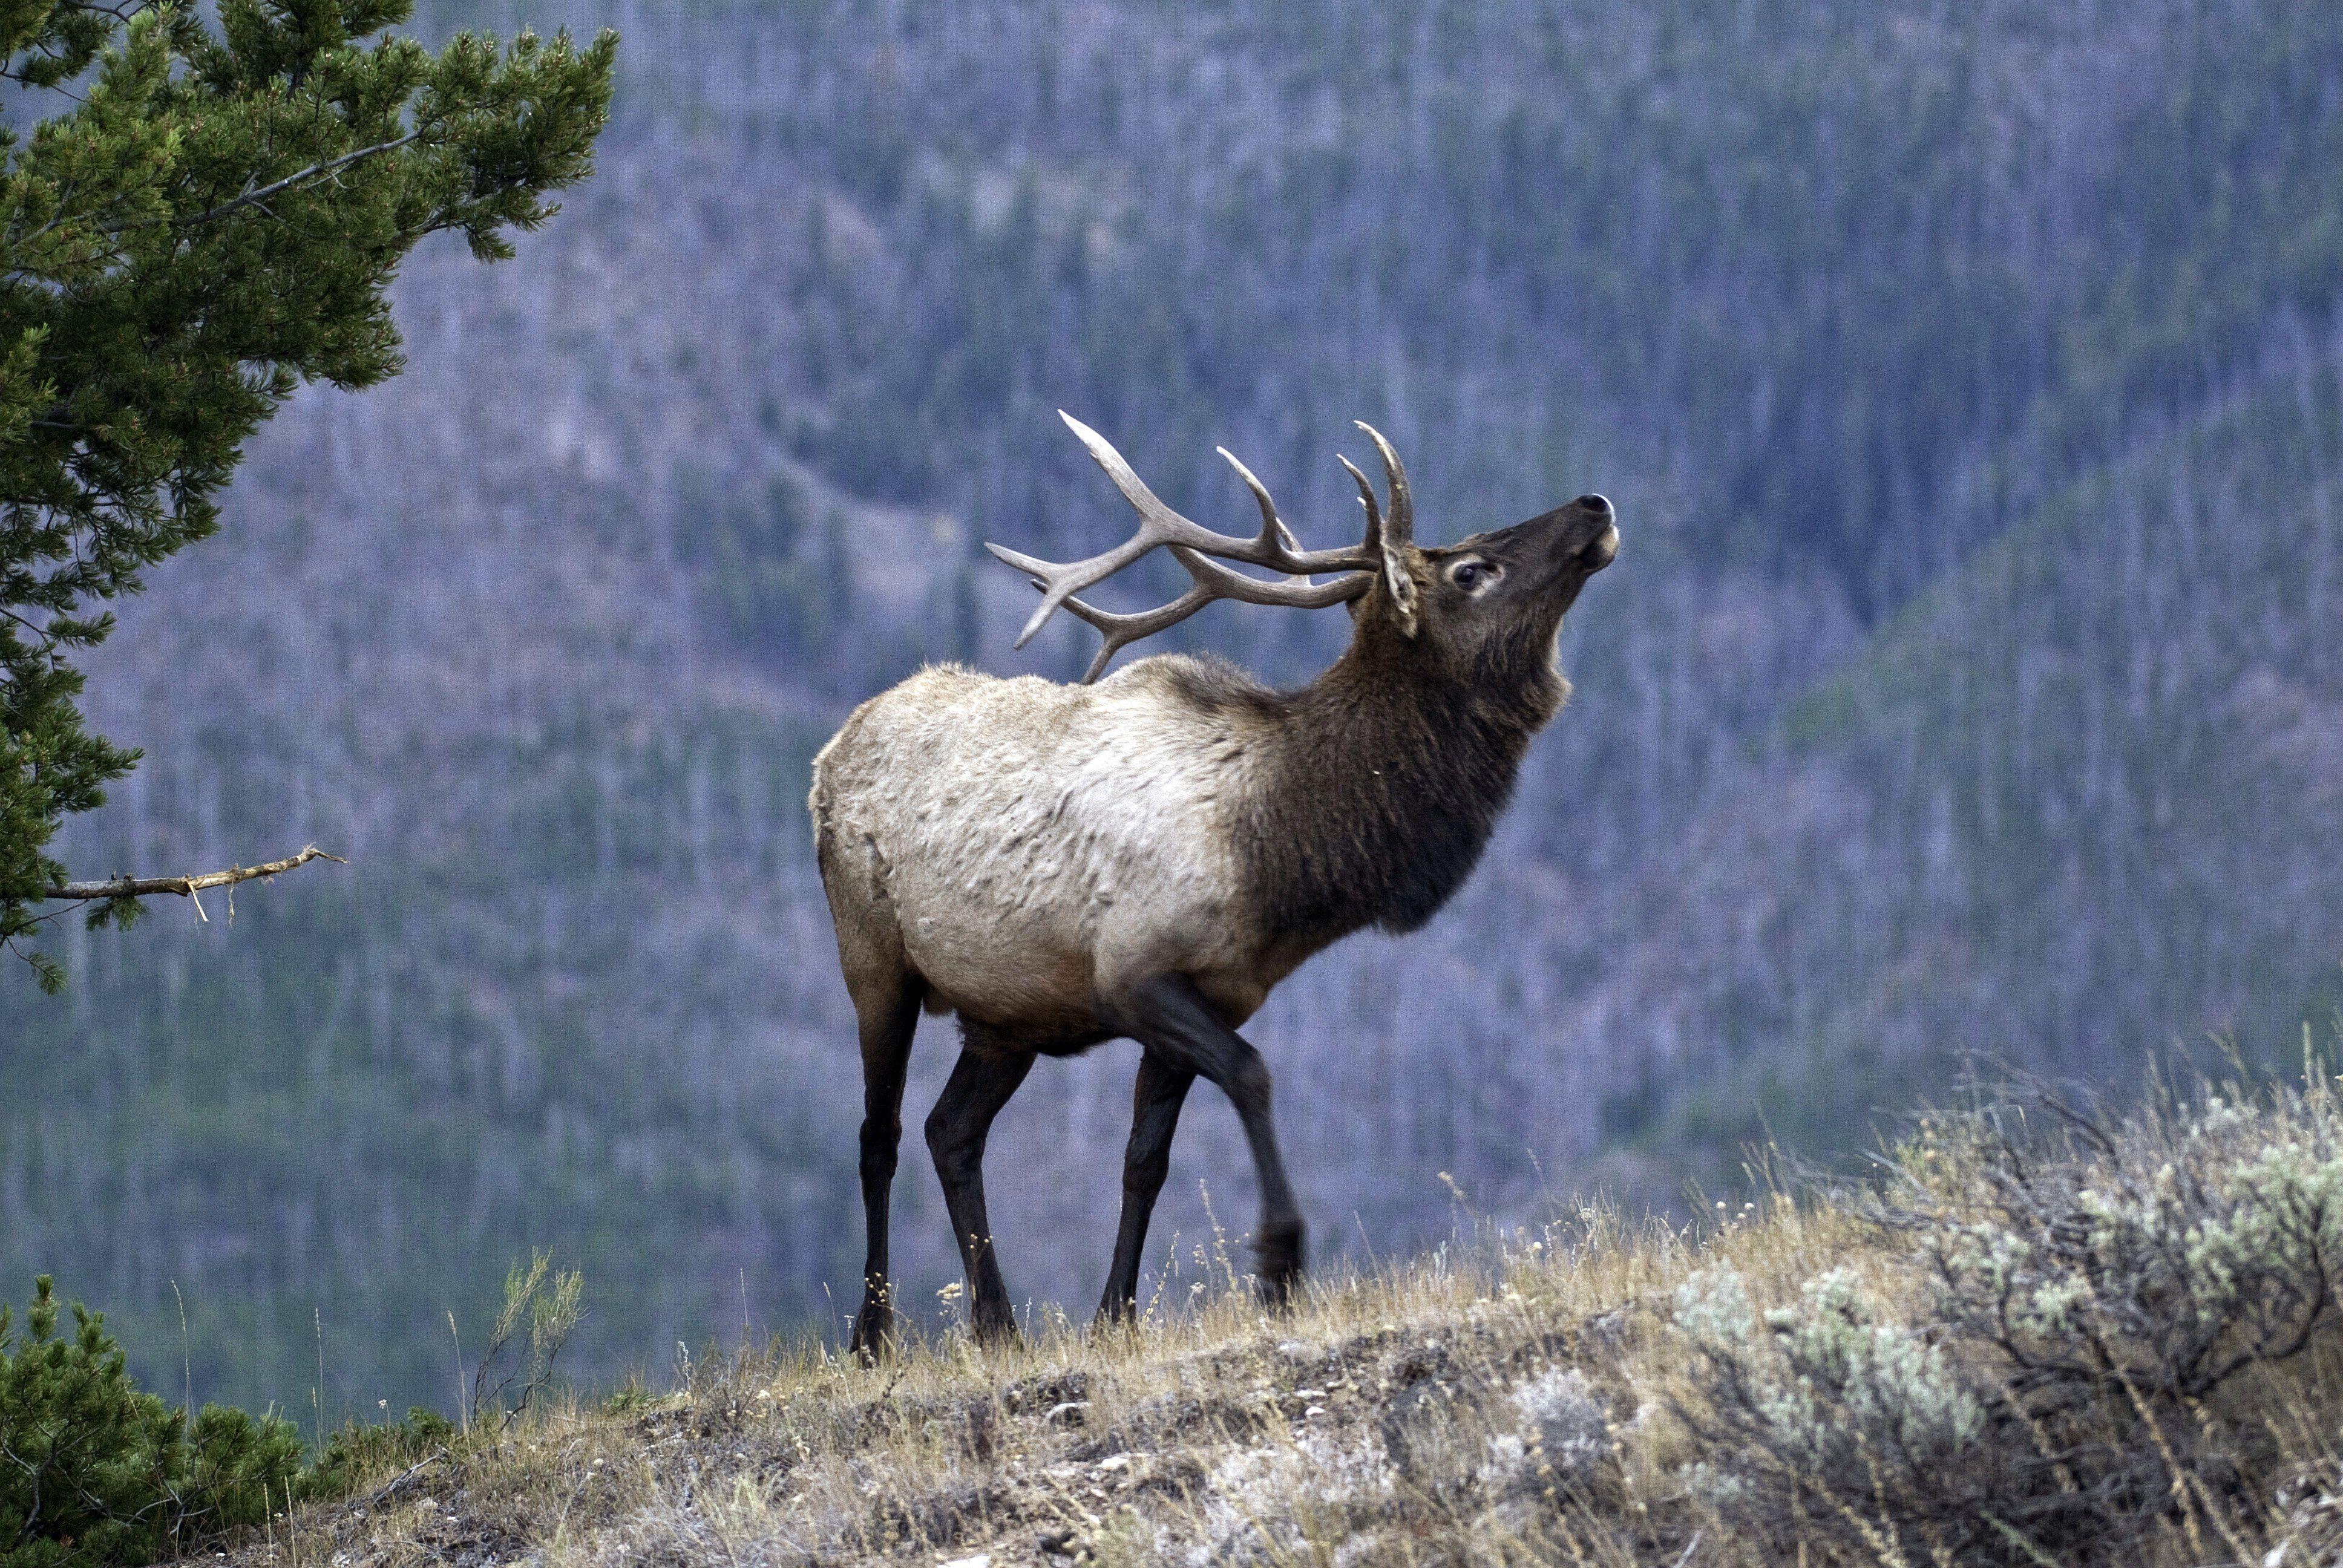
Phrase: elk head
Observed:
(1483, 610)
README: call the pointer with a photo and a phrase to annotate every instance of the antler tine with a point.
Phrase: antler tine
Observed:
(1285, 535)
(1268, 547)
(1273, 531)
(1059, 583)
(1367, 500)
(1212, 581)
(1403, 500)
(1120, 631)
(1219, 582)
(1157, 525)
(1400, 531)
(1273, 547)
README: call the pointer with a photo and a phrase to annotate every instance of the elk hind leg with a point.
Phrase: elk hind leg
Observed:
(887, 1013)
(981, 1083)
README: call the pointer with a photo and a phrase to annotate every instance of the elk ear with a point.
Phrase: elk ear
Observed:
(1392, 537)
(1401, 581)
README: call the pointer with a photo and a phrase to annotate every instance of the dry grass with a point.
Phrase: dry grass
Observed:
(1540, 1397)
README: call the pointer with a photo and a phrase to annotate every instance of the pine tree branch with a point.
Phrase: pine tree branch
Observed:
(255, 197)
(186, 887)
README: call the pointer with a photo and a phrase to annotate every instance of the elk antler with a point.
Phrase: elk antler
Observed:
(1274, 546)
(1388, 540)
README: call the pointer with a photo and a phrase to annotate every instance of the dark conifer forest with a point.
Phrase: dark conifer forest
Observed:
(1968, 378)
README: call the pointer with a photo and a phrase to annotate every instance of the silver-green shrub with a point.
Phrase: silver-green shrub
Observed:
(2052, 1386)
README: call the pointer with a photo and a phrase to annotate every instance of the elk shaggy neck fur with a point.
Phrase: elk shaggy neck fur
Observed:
(1379, 792)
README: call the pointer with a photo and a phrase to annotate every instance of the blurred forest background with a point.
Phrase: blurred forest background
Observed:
(1968, 375)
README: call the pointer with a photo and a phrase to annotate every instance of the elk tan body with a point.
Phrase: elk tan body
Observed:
(1032, 846)
(1150, 854)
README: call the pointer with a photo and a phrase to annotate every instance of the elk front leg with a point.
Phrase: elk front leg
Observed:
(980, 1085)
(1155, 1101)
(1171, 1019)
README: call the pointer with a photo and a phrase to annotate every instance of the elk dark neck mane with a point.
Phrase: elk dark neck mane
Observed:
(1382, 787)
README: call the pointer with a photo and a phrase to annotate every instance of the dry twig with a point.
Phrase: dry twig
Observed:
(193, 887)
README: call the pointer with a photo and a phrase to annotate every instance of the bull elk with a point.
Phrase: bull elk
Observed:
(1148, 855)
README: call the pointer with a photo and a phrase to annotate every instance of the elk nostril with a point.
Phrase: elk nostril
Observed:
(1599, 505)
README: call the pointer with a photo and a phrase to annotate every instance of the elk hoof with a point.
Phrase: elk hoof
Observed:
(995, 1329)
(1279, 1251)
(874, 1334)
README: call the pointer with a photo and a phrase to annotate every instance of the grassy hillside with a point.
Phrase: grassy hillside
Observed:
(2039, 1335)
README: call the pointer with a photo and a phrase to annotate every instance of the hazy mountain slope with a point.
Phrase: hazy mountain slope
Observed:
(2087, 783)
(542, 633)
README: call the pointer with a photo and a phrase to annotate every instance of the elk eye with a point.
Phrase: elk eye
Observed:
(1473, 575)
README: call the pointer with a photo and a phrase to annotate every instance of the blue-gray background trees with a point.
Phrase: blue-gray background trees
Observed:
(1968, 379)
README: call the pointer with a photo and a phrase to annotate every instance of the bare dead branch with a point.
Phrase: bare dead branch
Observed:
(187, 887)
